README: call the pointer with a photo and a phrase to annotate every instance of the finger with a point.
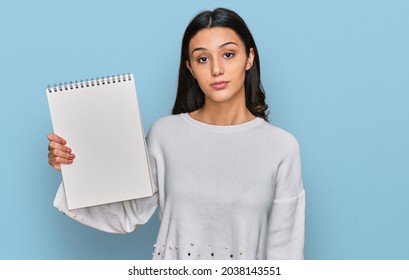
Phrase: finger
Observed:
(56, 162)
(56, 146)
(54, 153)
(60, 160)
(56, 138)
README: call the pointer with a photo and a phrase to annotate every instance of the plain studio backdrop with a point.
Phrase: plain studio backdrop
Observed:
(336, 74)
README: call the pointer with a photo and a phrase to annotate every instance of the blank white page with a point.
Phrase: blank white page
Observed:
(101, 122)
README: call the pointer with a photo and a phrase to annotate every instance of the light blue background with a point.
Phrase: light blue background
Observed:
(336, 74)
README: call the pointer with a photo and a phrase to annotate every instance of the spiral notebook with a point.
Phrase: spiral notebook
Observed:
(100, 120)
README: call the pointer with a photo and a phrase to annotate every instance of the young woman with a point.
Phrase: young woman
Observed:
(228, 183)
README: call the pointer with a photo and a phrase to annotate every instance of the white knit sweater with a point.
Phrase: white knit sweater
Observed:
(225, 192)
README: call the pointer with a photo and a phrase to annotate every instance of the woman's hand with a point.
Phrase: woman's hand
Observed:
(58, 152)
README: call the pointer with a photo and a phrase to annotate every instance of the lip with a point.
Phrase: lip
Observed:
(219, 84)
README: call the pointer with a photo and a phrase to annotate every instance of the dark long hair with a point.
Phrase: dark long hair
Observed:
(189, 95)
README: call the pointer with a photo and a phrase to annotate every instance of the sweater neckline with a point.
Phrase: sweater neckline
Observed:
(221, 128)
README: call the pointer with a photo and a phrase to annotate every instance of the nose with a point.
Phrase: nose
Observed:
(217, 67)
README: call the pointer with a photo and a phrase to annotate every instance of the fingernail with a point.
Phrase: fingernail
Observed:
(72, 156)
(68, 150)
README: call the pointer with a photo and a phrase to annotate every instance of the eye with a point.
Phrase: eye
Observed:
(202, 59)
(228, 55)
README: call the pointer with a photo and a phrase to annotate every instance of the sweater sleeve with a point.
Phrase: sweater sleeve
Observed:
(118, 217)
(287, 217)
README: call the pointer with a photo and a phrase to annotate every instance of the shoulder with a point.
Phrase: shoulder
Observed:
(165, 125)
(171, 120)
(278, 133)
(279, 138)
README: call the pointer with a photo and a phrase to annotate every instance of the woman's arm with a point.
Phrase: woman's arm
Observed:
(287, 217)
(119, 217)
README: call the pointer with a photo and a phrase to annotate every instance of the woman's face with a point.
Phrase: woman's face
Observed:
(218, 61)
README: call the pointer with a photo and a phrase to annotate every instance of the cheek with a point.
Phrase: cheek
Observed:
(203, 84)
(200, 77)
(200, 74)
(237, 71)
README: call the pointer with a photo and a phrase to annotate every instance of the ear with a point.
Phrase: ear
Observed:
(190, 68)
(250, 59)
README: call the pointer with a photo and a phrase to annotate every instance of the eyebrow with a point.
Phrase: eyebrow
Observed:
(221, 46)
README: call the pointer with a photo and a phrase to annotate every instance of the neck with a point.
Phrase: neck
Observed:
(222, 114)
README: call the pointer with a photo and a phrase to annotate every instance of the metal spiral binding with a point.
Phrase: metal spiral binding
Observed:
(89, 83)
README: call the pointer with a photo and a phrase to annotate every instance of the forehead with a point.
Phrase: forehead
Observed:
(213, 37)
